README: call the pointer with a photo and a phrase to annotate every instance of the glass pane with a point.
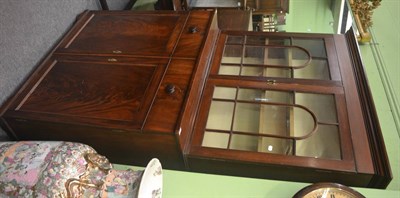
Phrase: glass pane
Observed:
(275, 120)
(322, 105)
(224, 93)
(265, 96)
(216, 140)
(255, 71)
(276, 56)
(229, 70)
(316, 47)
(234, 40)
(250, 94)
(325, 143)
(279, 96)
(252, 71)
(275, 145)
(220, 115)
(254, 55)
(232, 54)
(317, 69)
(286, 121)
(262, 40)
(298, 57)
(244, 142)
(279, 73)
(302, 124)
(247, 117)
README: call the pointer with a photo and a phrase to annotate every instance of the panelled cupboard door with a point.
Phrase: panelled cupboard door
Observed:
(91, 91)
(279, 99)
(125, 33)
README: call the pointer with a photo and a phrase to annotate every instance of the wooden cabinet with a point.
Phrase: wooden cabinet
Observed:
(117, 81)
(171, 85)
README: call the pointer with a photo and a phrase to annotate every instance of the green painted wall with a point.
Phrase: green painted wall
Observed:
(381, 58)
(309, 16)
(382, 62)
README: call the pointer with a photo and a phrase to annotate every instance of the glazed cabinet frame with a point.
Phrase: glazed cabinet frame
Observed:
(356, 164)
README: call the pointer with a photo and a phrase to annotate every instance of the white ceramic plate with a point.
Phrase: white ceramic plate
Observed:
(152, 180)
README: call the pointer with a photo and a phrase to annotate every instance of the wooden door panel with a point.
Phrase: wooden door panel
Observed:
(167, 108)
(94, 90)
(193, 35)
(115, 33)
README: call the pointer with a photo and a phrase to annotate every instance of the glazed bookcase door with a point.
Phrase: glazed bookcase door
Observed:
(286, 58)
(275, 99)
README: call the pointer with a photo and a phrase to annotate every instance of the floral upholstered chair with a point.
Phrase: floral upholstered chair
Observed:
(67, 169)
